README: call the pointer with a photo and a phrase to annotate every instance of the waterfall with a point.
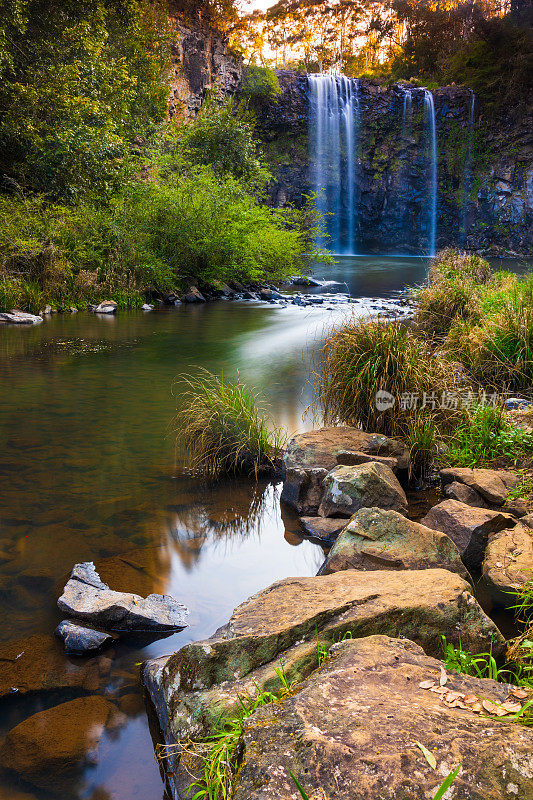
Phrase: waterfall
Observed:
(429, 106)
(406, 114)
(335, 120)
(467, 178)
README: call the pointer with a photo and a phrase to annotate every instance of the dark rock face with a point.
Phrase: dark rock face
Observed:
(488, 208)
(79, 640)
(201, 64)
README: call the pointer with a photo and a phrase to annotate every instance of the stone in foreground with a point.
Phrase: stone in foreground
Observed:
(508, 564)
(49, 748)
(347, 489)
(376, 539)
(351, 733)
(468, 527)
(79, 640)
(309, 456)
(87, 598)
(326, 529)
(493, 485)
(19, 318)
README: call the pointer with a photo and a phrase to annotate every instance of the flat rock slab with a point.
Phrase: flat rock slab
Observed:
(493, 485)
(87, 598)
(49, 748)
(350, 733)
(508, 564)
(19, 318)
(468, 527)
(347, 489)
(79, 640)
(309, 456)
(419, 604)
(323, 528)
(376, 539)
(37, 663)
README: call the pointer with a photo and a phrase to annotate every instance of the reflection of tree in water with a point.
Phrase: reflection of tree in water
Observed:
(223, 513)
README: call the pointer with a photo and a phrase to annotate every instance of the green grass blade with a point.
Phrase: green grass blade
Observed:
(446, 783)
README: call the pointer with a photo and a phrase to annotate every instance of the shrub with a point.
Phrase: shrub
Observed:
(365, 356)
(259, 84)
(484, 436)
(223, 428)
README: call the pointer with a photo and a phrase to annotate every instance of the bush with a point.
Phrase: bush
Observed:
(365, 356)
(259, 85)
(485, 436)
(223, 428)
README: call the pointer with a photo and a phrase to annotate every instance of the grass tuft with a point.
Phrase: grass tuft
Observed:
(223, 428)
(485, 436)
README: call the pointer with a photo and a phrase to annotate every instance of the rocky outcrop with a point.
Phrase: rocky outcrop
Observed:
(354, 727)
(508, 564)
(347, 489)
(468, 527)
(491, 485)
(488, 208)
(201, 65)
(87, 598)
(376, 539)
(310, 456)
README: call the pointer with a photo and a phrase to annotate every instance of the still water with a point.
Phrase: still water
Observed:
(89, 471)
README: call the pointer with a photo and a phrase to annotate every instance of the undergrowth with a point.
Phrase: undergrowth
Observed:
(484, 436)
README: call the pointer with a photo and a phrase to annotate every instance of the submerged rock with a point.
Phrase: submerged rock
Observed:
(79, 640)
(87, 598)
(323, 528)
(468, 527)
(19, 318)
(493, 485)
(352, 731)
(376, 539)
(49, 748)
(37, 663)
(310, 456)
(508, 564)
(347, 489)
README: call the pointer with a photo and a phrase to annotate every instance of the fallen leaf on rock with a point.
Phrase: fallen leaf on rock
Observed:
(470, 698)
(477, 708)
(493, 708)
(443, 677)
(512, 706)
(439, 689)
(428, 755)
(426, 684)
(520, 693)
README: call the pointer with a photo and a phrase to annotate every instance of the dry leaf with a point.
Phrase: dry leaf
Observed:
(512, 706)
(520, 693)
(439, 690)
(493, 708)
(443, 677)
(430, 758)
(451, 696)
(426, 684)
(477, 708)
(470, 698)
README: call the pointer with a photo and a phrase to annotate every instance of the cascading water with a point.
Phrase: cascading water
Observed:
(335, 122)
(431, 125)
(467, 179)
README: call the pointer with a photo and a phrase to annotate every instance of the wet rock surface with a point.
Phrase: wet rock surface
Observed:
(508, 564)
(79, 640)
(376, 539)
(323, 528)
(86, 597)
(347, 489)
(352, 729)
(468, 527)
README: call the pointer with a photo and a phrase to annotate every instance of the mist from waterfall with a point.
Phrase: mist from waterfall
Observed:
(334, 138)
(431, 125)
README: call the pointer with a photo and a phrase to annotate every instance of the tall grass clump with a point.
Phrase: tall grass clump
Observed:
(365, 356)
(450, 264)
(223, 428)
(483, 436)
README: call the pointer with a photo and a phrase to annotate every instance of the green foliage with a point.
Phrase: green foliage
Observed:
(259, 85)
(78, 82)
(365, 356)
(223, 428)
(481, 665)
(485, 436)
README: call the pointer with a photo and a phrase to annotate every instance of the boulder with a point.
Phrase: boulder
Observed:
(468, 527)
(269, 294)
(304, 280)
(324, 449)
(49, 748)
(508, 564)
(106, 307)
(353, 729)
(376, 539)
(147, 307)
(79, 640)
(37, 663)
(323, 528)
(19, 318)
(347, 489)
(464, 494)
(87, 598)
(493, 485)
(423, 605)
(193, 295)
